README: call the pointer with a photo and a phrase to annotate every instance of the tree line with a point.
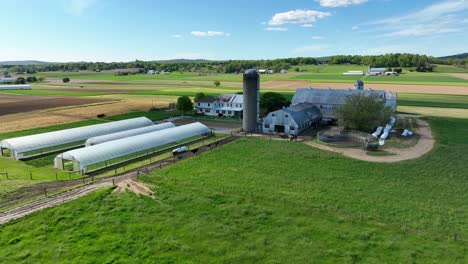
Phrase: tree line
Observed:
(419, 62)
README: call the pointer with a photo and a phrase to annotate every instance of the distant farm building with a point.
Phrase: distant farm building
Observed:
(310, 105)
(15, 87)
(376, 71)
(7, 79)
(355, 73)
(230, 105)
(266, 71)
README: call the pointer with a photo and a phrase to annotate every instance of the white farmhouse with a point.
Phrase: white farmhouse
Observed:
(230, 105)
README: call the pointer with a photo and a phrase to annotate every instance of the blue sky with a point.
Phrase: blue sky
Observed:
(118, 30)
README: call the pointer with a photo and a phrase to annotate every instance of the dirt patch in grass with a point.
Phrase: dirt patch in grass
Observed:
(400, 88)
(136, 187)
(463, 76)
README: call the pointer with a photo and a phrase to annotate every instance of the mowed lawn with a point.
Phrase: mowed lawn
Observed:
(260, 201)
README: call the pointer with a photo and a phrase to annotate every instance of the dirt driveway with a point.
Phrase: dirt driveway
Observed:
(425, 144)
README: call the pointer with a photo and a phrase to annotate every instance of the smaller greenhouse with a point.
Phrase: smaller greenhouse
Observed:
(16, 87)
(39, 144)
(125, 134)
(110, 153)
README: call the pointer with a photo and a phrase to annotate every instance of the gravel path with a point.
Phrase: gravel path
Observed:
(425, 144)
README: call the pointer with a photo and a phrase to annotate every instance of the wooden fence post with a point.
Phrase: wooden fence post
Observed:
(30, 175)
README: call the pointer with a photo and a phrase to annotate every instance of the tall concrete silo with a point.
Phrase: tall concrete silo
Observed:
(251, 101)
(359, 85)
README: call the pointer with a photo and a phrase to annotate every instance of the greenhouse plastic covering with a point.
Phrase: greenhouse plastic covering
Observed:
(46, 140)
(127, 146)
(15, 87)
(128, 133)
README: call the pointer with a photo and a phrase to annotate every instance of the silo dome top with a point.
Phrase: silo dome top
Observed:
(252, 73)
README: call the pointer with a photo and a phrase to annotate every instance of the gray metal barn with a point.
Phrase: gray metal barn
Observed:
(292, 120)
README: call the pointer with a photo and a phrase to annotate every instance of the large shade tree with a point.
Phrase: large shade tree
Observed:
(364, 112)
(184, 104)
(271, 101)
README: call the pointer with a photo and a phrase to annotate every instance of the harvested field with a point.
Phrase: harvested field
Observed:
(435, 111)
(12, 104)
(22, 121)
(97, 90)
(400, 88)
(460, 75)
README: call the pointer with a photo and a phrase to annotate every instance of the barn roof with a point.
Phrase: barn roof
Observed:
(329, 96)
(303, 112)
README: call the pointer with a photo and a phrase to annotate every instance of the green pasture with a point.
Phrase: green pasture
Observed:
(450, 69)
(261, 201)
(433, 100)
(312, 73)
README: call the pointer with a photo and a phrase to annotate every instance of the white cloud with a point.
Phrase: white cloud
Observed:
(276, 29)
(177, 36)
(77, 7)
(436, 19)
(309, 49)
(388, 49)
(307, 25)
(210, 34)
(297, 17)
(318, 37)
(355, 28)
(340, 3)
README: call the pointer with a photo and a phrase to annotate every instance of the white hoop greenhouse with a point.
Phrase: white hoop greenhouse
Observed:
(39, 144)
(128, 133)
(15, 87)
(100, 156)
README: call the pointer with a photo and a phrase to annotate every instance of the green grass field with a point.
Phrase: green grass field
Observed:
(433, 100)
(272, 202)
(313, 73)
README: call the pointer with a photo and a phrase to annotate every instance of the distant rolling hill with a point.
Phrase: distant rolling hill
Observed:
(23, 63)
(457, 56)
